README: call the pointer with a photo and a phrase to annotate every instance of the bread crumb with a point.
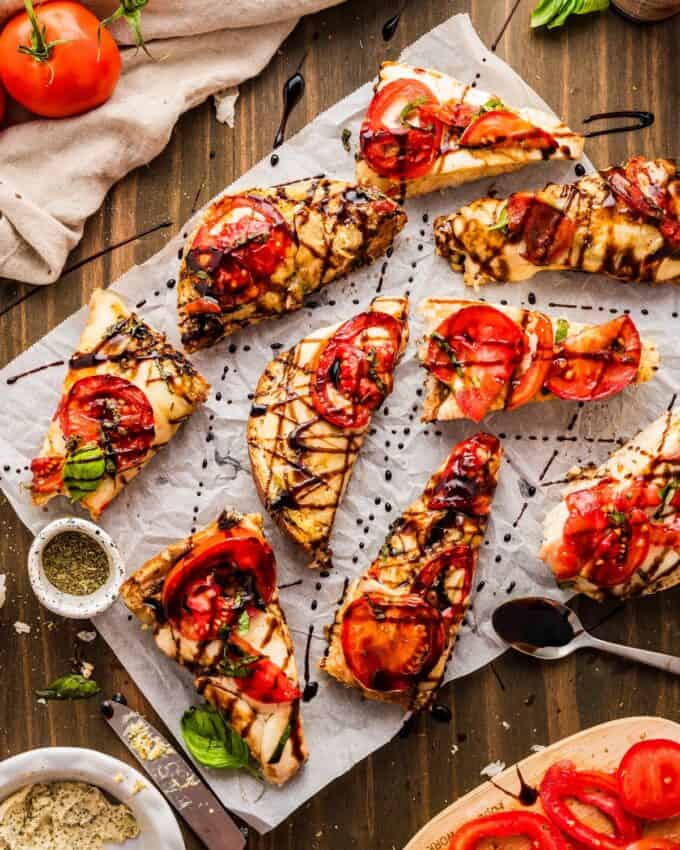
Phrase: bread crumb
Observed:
(493, 769)
(21, 628)
(86, 637)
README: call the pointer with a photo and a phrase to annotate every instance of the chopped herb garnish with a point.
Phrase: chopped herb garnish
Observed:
(446, 348)
(71, 686)
(385, 552)
(617, 517)
(372, 358)
(243, 622)
(346, 135)
(561, 331)
(492, 104)
(668, 491)
(238, 668)
(75, 563)
(502, 220)
(280, 747)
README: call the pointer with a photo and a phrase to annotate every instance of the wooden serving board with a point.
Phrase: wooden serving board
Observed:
(600, 748)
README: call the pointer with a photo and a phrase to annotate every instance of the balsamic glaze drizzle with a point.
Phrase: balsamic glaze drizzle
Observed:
(21, 375)
(496, 41)
(293, 90)
(311, 688)
(389, 28)
(644, 119)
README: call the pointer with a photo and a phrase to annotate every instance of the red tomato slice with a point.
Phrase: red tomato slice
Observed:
(354, 371)
(47, 474)
(654, 844)
(390, 644)
(562, 783)
(501, 128)
(396, 142)
(547, 232)
(199, 593)
(264, 681)
(517, 208)
(239, 248)
(596, 363)
(525, 385)
(649, 779)
(427, 582)
(113, 413)
(492, 829)
(475, 352)
(619, 554)
(468, 481)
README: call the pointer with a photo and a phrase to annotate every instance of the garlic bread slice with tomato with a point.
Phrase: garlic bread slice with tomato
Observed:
(426, 131)
(259, 253)
(213, 604)
(616, 531)
(483, 357)
(124, 397)
(396, 626)
(623, 222)
(311, 410)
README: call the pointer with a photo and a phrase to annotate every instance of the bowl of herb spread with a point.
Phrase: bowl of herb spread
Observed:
(68, 798)
(75, 568)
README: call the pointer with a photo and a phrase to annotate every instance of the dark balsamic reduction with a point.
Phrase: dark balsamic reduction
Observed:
(119, 698)
(527, 795)
(311, 688)
(293, 90)
(506, 24)
(579, 169)
(18, 377)
(644, 119)
(390, 26)
(258, 410)
(156, 607)
(106, 709)
(441, 713)
(533, 623)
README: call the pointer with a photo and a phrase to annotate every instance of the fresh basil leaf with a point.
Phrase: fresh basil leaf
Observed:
(243, 622)
(585, 7)
(565, 11)
(554, 13)
(71, 686)
(492, 104)
(283, 740)
(212, 743)
(544, 12)
(561, 331)
(502, 220)
(668, 491)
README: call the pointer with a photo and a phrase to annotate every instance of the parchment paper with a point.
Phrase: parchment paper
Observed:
(176, 492)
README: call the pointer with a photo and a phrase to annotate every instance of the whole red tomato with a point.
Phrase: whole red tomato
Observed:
(2, 104)
(56, 62)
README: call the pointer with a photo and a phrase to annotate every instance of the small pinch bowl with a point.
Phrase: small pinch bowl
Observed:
(159, 829)
(67, 604)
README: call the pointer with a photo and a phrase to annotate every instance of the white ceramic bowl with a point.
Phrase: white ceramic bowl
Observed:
(67, 604)
(158, 828)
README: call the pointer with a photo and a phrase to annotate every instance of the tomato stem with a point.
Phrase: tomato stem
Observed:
(40, 48)
(131, 11)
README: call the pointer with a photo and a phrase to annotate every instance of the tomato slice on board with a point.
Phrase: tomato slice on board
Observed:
(390, 644)
(354, 370)
(501, 128)
(208, 588)
(400, 137)
(537, 828)
(620, 552)
(111, 412)
(562, 782)
(526, 384)
(239, 249)
(468, 481)
(649, 779)
(654, 844)
(475, 352)
(597, 362)
(47, 474)
(259, 677)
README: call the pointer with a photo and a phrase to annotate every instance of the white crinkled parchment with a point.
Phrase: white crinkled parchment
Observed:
(541, 441)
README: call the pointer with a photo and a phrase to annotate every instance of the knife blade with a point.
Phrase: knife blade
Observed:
(186, 792)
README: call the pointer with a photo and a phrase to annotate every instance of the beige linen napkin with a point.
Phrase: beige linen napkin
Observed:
(55, 173)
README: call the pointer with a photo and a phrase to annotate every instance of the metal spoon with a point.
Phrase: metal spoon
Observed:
(548, 630)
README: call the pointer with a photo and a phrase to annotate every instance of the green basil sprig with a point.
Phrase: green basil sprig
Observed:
(553, 13)
(213, 743)
(71, 686)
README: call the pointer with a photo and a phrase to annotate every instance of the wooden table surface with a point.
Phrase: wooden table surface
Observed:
(596, 63)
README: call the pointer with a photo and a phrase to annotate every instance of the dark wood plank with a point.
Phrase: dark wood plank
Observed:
(594, 64)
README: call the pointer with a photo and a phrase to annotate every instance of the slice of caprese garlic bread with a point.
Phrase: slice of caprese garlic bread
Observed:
(426, 131)
(396, 625)
(257, 254)
(616, 531)
(623, 222)
(312, 408)
(482, 357)
(213, 604)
